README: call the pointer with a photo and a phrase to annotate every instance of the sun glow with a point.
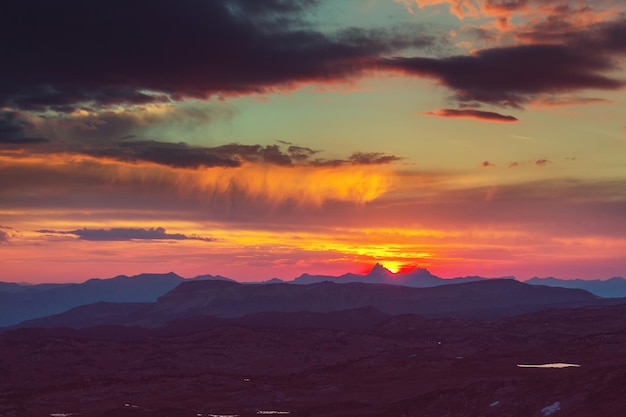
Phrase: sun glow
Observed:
(392, 266)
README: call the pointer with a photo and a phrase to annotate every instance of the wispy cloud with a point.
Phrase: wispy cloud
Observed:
(372, 158)
(81, 180)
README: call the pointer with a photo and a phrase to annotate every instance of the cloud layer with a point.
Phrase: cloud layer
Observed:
(66, 55)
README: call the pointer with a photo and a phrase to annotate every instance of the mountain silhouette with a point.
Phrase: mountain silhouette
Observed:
(418, 278)
(20, 302)
(487, 299)
(46, 299)
(611, 288)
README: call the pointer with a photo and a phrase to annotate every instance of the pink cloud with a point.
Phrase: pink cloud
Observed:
(473, 114)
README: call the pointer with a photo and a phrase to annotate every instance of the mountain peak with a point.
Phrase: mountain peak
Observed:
(421, 273)
(379, 271)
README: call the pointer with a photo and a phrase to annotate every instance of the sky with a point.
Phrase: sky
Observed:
(269, 138)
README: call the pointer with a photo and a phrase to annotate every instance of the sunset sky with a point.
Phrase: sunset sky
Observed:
(268, 138)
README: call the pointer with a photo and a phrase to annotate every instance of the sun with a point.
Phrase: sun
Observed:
(392, 266)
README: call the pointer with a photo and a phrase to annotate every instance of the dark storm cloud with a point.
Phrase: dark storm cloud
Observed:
(57, 55)
(300, 153)
(14, 130)
(126, 234)
(371, 158)
(183, 155)
(254, 153)
(357, 158)
(514, 75)
(178, 155)
(64, 55)
(473, 114)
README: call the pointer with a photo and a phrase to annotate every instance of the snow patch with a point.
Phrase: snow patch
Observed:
(551, 409)
(550, 365)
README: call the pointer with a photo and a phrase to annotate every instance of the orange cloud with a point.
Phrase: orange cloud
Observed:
(473, 114)
(531, 20)
(459, 8)
(54, 174)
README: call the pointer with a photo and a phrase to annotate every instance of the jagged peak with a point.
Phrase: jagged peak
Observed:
(378, 270)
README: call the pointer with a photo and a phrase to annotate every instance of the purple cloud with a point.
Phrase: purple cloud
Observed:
(126, 234)
(63, 55)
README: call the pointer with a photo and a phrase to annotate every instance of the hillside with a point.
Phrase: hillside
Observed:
(397, 366)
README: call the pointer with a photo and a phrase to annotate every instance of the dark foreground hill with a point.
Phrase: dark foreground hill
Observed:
(488, 299)
(399, 366)
(482, 299)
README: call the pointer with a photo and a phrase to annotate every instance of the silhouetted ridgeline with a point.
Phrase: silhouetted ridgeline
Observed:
(488, 299)
(611, 288)
(23, 302)
(19, 302)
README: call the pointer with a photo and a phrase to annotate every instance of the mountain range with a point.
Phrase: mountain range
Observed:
(487, 299)
(350, 346)
(20, 302)
(611, 288)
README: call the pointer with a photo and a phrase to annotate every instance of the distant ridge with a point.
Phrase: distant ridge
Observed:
(34, 301)
(611, 288)
(19, 302)
(418, 278)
